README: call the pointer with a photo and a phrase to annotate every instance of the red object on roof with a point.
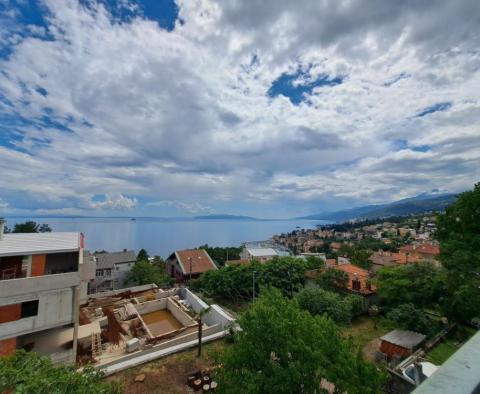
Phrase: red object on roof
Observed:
(199, 259)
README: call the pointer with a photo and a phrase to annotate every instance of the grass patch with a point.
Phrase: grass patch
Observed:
(365, 329)
(440, 353)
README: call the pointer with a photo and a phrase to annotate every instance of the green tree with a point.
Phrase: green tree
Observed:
(319, 302)
(31, 227)
(219, 255)
(142, 255)
(235, 282)
(333, 279)
(282, 349)
(28, 372)
(408, 317)
(459, 236)
(144, 272)
(422, 284)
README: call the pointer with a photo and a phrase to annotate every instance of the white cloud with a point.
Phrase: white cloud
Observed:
(184, 115)
(115, 201)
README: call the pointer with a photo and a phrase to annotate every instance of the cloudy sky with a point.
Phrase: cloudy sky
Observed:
(272, 108)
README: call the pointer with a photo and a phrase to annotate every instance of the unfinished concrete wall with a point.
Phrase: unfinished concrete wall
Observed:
(178, 314)
(151, 306)
(217, 315)
(54, 308)
(192, 300)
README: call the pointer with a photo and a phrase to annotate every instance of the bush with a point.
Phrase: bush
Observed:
(319, 302)
(408, 317)
(28, 372)
(235, 282)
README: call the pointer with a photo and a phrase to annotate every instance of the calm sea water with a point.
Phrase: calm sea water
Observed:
(163, 236)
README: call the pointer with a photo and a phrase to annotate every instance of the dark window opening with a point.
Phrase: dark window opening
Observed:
(29, 308)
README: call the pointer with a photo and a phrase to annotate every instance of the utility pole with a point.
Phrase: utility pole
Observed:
(253, 280)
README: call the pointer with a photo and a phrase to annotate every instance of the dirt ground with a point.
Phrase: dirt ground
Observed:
(366, 334)
(168, 375)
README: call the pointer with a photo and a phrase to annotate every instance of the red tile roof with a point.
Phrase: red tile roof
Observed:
(199, 258)
(355, 272)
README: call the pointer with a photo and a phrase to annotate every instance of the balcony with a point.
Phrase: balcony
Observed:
(21, 286)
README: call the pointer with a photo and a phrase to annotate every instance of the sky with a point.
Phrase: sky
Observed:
(269, 108)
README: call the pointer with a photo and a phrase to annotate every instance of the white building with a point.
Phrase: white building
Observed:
(43, 280)
(112, 269)
(258, 254)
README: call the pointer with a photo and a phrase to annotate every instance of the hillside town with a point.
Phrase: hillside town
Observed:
(117, 311)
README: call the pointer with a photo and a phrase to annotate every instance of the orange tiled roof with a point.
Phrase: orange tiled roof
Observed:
(200, 259)
(355, 272)
(428, 249)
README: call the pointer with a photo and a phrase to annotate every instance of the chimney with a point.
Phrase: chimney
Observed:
(2, 227)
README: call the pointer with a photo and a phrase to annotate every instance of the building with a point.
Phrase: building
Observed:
(112, 269)
(358, 279)
(258, 253)
(184, 265)
(382, 259)
(43, 280)
(400, 343)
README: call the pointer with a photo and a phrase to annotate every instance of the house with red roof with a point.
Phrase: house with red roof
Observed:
(184, 265)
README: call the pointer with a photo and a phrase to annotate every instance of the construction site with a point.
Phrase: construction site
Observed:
(128, 327)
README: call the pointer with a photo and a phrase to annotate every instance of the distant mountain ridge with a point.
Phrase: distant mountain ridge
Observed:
(225, 217)
(409, 206)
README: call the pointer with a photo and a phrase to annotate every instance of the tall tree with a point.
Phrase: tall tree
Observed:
(459, 236)
(144, 273)
(282, 349)
(142, 255)
(31, 227)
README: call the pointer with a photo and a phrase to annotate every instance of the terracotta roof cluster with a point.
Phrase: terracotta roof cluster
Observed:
(199, 259)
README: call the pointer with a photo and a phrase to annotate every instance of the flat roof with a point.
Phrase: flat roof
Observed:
(404, 338)
(262, 251)
(459, 374)
(17, 244)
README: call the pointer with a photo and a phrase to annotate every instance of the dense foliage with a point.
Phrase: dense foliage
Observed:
(339, 309)
(333, 280)
(282, 349)
(408, 317)
(220, 255)
(28, 372)
(144, 272)
(459, 235)
(235, 282)
(357, 255)
(421, 284)
(30, 227)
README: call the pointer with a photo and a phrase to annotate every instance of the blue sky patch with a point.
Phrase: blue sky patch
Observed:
(438, 107)
(402, 144)
(296, 86)
(164, 12)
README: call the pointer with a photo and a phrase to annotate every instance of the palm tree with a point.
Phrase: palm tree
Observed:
(198, 318)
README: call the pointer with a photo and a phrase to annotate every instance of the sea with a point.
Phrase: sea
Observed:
(162, 236)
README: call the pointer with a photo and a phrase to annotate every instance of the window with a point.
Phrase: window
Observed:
(99, 273)
(29, 308)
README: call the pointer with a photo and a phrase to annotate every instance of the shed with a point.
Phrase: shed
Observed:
(400, 343)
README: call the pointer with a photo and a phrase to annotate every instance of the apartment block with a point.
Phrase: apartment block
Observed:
(43, 280)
